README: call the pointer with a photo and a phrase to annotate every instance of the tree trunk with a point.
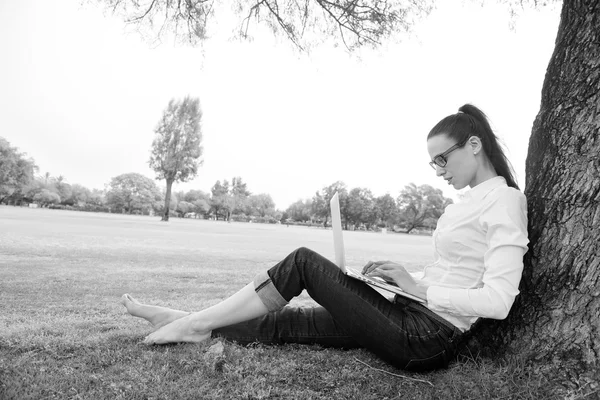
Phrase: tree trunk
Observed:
(167, 200)
(556, 318)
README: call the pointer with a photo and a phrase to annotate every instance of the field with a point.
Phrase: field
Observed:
(63, 333)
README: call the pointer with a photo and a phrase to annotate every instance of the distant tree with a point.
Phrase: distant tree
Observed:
(301, 210)
(229, 199)
(45, 181)
(158, 205)
(96, 198)
(183, 207)
(239, 188)
(219, 202)
(176, 198)
(420, 205)
(52, 184)
(46, 197)
(63, 189)
(16, 171)
(131, 192)
(360, 205)
(321, 201)
(307, 210)
(46, 178)
(79, 195)
(202, 207)
(262, 205)
(176, 148)
(437, 203)
(239, 194)
(277, 215)
(193, 195)
(386, 210)
(200, 201)
(319, 207)
(179, 195)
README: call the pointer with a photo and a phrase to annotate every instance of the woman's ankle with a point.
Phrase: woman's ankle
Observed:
(199, 324)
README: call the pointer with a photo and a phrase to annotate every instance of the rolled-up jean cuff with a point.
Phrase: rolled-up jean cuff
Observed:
(267, 292)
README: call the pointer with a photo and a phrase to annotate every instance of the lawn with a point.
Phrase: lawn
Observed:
(63, 333)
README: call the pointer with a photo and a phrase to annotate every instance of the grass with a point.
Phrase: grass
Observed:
(64, 335)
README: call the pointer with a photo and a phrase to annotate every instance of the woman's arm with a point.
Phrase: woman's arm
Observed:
(505, 222)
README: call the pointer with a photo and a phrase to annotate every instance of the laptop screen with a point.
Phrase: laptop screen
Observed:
(338, 240)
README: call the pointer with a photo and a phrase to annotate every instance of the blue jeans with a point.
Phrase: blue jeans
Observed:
(352, 314)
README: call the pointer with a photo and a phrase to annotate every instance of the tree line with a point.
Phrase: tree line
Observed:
(229, 200)
(416, 207)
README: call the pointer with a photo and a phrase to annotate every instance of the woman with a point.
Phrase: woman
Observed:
(479, 245)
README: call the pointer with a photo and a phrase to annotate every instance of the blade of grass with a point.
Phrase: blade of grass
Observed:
(392, 374)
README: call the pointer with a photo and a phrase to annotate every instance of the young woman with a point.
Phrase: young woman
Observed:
(479, 245)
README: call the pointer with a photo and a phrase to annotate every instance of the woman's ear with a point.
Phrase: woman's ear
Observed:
(475, 143)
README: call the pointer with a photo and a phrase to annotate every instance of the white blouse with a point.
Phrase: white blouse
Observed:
(479, 245)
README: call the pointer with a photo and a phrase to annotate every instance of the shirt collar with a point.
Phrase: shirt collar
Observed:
(481, 190)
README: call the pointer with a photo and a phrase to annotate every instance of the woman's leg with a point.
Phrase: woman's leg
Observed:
(396, 332)
(301, 325)
(196, 327)
(156, 315)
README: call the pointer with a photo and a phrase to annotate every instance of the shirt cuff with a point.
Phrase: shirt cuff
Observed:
(438, 298)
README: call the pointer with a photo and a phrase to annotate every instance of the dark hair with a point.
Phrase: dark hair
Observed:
(471, 121)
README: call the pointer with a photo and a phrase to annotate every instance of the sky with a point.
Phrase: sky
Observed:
(82, 95)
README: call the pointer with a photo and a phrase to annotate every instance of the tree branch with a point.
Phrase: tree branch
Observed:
(247, 19)
(357, 22)
(285, 26)
(141, 17)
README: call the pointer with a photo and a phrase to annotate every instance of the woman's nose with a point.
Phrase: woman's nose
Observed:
(439, 171)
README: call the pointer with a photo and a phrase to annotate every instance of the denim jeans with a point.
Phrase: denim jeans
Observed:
(352, 314)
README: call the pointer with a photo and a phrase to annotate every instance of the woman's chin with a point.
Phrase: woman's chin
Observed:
(457, 185)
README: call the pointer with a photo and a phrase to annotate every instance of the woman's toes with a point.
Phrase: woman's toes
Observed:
(148, 339)
(124, 299)
(131, 299)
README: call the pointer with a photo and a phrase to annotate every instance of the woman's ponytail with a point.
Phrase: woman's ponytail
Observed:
(471, 121)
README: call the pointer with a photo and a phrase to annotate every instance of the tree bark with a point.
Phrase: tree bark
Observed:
(167, 200)
(556, 318)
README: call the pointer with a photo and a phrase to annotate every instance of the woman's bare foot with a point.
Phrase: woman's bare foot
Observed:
(156, 315)
(186, 329)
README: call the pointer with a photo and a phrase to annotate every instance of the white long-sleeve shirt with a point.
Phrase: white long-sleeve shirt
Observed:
(479, 245)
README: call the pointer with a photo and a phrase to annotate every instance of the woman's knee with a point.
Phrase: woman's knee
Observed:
(305, 252)
(306, 255)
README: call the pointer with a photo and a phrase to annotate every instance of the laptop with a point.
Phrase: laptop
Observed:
(340, 256)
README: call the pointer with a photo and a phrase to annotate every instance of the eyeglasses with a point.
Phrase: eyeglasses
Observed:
(442, 159)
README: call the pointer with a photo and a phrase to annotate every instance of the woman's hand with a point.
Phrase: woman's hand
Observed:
(391, 271)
